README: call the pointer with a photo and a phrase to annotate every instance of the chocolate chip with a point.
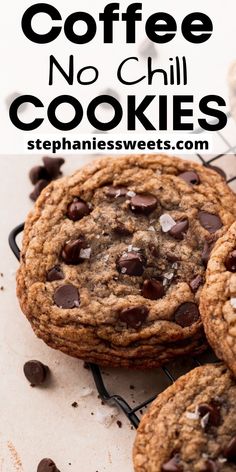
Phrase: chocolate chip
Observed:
(134, 316)
(230, 450)
(144, 203)
(206, 252)
(131, 263)
(121, 230)
(35, 372)
(230, 261)
(187, 314)
(152, 289)
(41, 184)
(209, 221)
(213, 409)
(55, 273)
(47, 465)
(218, 170)
(71, 251)
(53, 165)
(172, 465)
(115, 192)
(77, 209)
(190, 177)
(67, 296)
(38, 173)
(210, 466)
(177, 231)
(154, 250)
(195, 283)
(171, 257)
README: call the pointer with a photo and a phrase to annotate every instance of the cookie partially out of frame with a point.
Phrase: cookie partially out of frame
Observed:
(114, 257)
(218, 301)
(191, 426)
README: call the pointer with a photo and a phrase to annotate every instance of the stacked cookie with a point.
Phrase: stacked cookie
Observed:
(192, 425)
(114, 258)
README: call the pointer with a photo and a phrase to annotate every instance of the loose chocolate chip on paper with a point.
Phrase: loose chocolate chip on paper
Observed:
(134, 317)
(172, 465)
(144, 203)
(53, 166)
(210, 221)
(230, 261)
(116, 192)
(38, 173)
(67, 296)
(190, 177)
(47, 465)
(177, 231)
(186, 314)
(71, 251)
(77, 209)
(55, 273)
(35, 372)
(230, 450)
(41, 184)
(152, 289)
(195, 283)
(131, 263)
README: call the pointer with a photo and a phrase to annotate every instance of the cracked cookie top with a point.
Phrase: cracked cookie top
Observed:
(119, 249)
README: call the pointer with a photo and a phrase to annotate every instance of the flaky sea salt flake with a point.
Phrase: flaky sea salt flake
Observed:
(233, 302)
(85, 253)
(166, 222)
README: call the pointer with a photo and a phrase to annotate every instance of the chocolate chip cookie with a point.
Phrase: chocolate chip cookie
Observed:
(218, 301)
(113, 260)
(191, 426)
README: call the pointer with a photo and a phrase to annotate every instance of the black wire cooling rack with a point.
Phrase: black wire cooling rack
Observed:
(226, 144)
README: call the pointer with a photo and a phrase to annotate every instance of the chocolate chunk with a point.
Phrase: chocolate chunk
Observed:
(195, 283)
(206, 252)
(134, 316)
(230, 450)
(77, 209)
(171, 257)
(213, 409)
(177, 231)
(218, 170)
(67, 296)
(209, 221)
(154, 250)
(190, 177)
(152, 289)
(144, 203)
(53, 166)
(71, 251)
(115, 192)
(47, 465)
(131, 263)
(210, 466)
(41, 184)
(230, 261)
(121, 230)
(186, 314)
(38, 173)
(35, 372)
(172, 465)
(55, 273)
